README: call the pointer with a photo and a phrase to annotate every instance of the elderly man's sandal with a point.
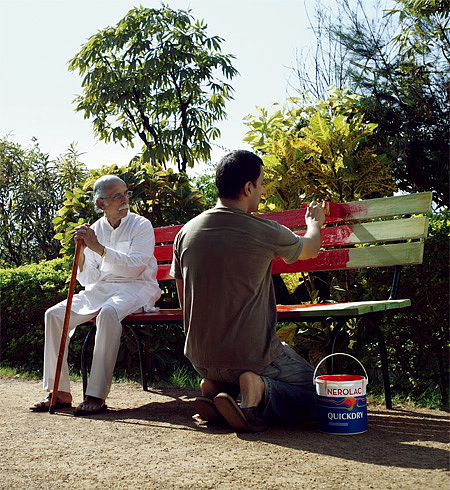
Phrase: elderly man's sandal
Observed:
(80, 412)
(44, 408)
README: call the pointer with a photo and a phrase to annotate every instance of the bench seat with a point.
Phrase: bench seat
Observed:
(384, 232)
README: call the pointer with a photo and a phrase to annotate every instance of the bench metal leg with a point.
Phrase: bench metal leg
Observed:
(384, 363)
(84, 349)
(84, 357)
(141, 357)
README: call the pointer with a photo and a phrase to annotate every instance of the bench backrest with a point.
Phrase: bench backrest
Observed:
(370, 233)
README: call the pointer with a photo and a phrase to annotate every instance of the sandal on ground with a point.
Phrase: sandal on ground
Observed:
(206, 410)
(242, 420)
(81, 410)
(44, 404)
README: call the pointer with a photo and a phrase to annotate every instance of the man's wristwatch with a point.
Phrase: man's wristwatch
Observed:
(104, 253)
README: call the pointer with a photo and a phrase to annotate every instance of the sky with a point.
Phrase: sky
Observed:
(39, 37)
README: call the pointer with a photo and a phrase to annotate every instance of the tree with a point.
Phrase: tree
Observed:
(318, 149)
(155, 75)
(326, 65)
(31, 191)
(400, 65)
(70, 170)
(206, 184)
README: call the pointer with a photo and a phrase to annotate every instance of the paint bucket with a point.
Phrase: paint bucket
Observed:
(341, 401)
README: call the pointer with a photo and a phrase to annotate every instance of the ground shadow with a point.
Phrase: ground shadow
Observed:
(396, 438)
(175, 413)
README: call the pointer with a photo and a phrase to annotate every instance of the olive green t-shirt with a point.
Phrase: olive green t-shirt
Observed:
(224, 257)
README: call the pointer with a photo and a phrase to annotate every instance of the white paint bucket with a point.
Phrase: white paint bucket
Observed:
(341, 401)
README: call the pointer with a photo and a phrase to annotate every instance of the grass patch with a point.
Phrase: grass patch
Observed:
(185, 377)
(10, 372)
(430, 398)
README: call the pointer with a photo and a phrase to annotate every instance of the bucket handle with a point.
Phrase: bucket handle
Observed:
(338, 354)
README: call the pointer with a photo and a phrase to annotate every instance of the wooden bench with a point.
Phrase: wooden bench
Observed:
(371, 233)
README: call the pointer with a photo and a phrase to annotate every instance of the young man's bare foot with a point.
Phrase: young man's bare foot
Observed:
(252, 389)
(245, 417)
(211, 388)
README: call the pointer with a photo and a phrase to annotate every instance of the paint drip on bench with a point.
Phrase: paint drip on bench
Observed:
(341, 401)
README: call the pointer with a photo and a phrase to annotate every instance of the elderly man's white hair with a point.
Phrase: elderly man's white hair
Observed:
(100, 187)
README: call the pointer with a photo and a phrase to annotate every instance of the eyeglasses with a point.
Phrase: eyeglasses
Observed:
(116, 197)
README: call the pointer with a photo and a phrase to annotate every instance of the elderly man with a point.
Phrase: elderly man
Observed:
(222, 264)
(118, 271)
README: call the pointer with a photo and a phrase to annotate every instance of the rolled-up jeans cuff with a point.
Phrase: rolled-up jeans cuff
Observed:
(285, 403)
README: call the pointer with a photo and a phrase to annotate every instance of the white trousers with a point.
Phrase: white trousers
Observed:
(107, 341)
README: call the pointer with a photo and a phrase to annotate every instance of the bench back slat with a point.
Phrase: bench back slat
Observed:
(342, 234)
(163, 253)
(385, 206)
(375, 231)
(355, 258)
(359, 210)
(166, 233)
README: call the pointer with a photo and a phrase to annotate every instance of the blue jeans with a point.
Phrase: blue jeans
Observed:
(289, 394)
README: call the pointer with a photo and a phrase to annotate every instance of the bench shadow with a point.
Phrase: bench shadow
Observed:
(174, 414)
(396, 438)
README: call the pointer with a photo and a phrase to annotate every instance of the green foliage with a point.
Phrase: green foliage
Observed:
(164, 346)
(424, 27)
(27, 291)
(163, 196)
(206, 184)
(268, 121)
(155, 75)
(318, 150)
(31, 191)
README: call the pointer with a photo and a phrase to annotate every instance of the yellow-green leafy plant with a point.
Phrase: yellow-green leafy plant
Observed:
(318, 150)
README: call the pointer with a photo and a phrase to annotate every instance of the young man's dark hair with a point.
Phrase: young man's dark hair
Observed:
(234, 170)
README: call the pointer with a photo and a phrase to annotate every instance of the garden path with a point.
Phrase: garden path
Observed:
(149, 440)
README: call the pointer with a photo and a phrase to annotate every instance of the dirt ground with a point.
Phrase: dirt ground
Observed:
(149, 440)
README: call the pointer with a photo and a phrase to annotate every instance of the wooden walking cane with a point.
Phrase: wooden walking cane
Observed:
(65, 329)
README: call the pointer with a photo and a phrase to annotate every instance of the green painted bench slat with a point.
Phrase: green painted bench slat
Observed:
(383, 232)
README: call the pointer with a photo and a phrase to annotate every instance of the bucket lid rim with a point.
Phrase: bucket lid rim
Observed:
(335, 377)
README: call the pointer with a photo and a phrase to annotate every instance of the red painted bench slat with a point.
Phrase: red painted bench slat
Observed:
(354, 236)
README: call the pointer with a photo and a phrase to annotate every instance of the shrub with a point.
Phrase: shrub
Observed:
(27, 292)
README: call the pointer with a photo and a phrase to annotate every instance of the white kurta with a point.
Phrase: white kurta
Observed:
(126, 277)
